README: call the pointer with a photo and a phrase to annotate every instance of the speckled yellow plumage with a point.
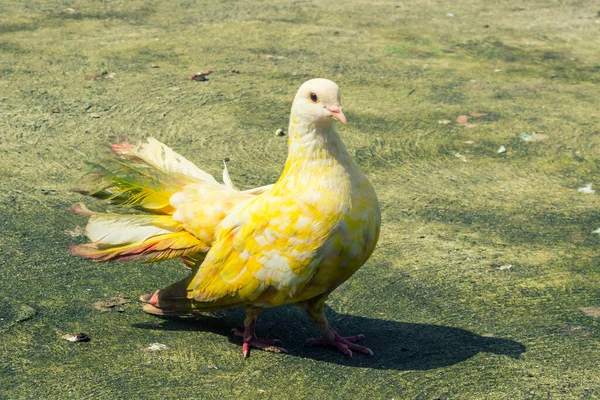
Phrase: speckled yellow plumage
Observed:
(308, 234)
(291, 242)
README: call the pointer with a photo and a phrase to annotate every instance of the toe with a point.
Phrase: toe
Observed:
(344, 345)
(145, 298)
(360, 349)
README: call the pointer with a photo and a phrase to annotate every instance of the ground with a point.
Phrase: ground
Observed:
(486, 280)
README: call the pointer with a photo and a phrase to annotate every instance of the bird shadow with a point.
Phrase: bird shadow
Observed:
(396, 345)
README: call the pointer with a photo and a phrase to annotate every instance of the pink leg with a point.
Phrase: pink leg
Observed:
(344, 344)
(250, 339)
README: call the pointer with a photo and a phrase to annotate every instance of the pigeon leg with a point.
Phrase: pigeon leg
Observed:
(250, 339)
(344, 344)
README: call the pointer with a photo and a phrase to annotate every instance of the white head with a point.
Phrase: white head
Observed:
(318, 101)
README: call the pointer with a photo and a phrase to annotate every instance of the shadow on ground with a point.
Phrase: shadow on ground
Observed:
(396, 345)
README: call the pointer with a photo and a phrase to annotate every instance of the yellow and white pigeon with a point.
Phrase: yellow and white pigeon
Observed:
(293, 242)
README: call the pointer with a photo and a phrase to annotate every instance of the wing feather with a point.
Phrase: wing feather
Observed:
(265, 251)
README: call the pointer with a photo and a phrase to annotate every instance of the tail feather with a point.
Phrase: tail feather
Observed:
(134, 184)
(156, 248)
(163, 158)
(117, 229)
(145, 176)
(174, 301)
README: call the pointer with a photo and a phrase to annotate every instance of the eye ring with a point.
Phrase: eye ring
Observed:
(314, 98)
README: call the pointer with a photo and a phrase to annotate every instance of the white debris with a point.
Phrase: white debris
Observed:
(502, 150)
(461, 157)
(587, 189)
(533, 137)
(597, 231)
(80, 337)
(157, 347)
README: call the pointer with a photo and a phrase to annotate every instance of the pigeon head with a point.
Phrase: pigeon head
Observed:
(318, 102)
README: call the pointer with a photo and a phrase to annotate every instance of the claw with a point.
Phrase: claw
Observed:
(344, 344)
(265, 344)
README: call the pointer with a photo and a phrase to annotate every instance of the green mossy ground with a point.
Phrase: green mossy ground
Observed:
(482, 266)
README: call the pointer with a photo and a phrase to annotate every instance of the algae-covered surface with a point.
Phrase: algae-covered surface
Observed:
(476, 121)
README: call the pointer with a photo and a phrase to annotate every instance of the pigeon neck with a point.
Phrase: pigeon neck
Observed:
(315, 153)
(310, 142)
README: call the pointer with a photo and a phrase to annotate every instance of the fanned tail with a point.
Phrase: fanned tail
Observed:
(185, 203)
(143, 177)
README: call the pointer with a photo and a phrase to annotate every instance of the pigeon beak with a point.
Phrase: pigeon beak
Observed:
(337, 113)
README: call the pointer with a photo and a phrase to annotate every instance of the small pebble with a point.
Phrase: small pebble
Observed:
(198, 77)
(80, 337)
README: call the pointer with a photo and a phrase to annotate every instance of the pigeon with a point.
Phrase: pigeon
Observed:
(292, 242)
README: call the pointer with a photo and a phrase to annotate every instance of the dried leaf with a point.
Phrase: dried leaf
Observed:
(110, 302)
(593, 312)
(104, 75)
(75, 232)
(533, 137)
(271, 56)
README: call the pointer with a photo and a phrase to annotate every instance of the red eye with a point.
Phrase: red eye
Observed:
(313, 97)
